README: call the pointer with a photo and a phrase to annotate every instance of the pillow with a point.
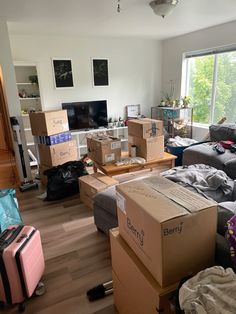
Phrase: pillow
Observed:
(223, 132)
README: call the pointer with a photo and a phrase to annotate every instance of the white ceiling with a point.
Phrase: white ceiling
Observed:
(99, 17)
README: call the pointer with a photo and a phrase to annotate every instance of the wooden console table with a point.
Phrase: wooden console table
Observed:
(111, 170)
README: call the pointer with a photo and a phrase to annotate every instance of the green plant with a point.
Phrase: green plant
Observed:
(186, 100)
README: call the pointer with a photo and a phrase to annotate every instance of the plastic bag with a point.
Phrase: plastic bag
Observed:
(63, 180)
(9, 211)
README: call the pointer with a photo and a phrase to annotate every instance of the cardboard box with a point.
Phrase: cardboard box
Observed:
(58, 154)
(48, 122)
(149, 148)
(135, 289)
(145, 128)
(91, 184)
(104, 149)
(56, 139)
(172, 230)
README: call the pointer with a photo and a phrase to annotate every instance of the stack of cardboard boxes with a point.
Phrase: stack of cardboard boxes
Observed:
(165, 233)
(55, 142)
(147, 135)
(104, 149)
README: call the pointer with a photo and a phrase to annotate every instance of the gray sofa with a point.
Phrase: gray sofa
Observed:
(204, 153)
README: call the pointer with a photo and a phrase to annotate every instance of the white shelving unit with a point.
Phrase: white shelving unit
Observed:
(80, 137)
(29, 97)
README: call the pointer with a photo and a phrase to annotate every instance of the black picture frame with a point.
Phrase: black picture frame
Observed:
(63, 76)
(100, 72)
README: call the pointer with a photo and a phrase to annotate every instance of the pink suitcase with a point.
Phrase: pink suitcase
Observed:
(21, 264)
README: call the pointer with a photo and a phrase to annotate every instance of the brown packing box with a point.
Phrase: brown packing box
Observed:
(48, 122)
(145, 128)
(135, 289)
(104, 149)
(57, 154)
(150, 148)
(172, 230)
(91, 184)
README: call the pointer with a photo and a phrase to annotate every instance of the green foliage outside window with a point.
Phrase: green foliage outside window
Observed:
(200, 84)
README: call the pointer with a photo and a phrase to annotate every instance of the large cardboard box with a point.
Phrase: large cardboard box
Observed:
(145, 128)
(172, 230)
(104, 149)
(58, 154)
(91, 184)
(135, 289)
(149, 148)
(48, 122)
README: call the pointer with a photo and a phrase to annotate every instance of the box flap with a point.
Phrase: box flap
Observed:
(191, 201)
(162, 198)
(153, 202)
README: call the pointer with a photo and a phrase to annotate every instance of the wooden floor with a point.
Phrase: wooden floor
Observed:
(77, 256)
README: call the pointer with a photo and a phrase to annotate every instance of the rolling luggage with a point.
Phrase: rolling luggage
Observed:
(21, 264)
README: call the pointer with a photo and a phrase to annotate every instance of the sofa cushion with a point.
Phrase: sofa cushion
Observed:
(223, 132)
(204, 154)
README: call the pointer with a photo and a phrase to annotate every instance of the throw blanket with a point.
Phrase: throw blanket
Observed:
(211, 291)
(206, 180)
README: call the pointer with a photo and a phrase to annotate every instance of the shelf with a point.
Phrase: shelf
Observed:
(82, 146)
(33, 163)
(27, 83)
(27, 129)
(28, 98)
(98, 130)
(30, 144)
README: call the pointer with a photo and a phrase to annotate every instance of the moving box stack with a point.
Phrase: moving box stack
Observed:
(104, 149)
(165, 233)
(147, 135)
(55, 141)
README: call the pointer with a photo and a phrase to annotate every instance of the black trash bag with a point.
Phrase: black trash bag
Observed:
(63, 179)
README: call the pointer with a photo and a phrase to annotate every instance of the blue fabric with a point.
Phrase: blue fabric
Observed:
(9, 211)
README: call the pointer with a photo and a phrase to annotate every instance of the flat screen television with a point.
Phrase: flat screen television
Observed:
(87, 114)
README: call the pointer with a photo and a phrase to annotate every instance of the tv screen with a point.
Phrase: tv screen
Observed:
(86, 115)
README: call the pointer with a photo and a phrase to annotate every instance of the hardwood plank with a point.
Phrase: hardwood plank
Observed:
(77, 256)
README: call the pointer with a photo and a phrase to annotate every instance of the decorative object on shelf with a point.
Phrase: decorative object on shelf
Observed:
(186, 101)
(23, 94)
(162, 103)
(121, 122)
(163, 7)
(33, 79)
(115, 122)
(110, 123)
(133, 111)
(169, 95)
(63, 76)
(100, 72)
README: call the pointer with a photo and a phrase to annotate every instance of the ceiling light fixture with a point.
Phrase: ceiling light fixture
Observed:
(118, 6)
(163, 7)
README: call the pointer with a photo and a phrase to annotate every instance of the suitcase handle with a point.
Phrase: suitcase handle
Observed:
(9, 235)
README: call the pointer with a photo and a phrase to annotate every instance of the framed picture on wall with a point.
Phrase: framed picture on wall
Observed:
(100, 72)
(63, 76)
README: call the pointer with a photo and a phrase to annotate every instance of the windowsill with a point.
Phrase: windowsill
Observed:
(201, 125)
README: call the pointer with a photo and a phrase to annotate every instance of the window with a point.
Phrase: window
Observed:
(210, 81)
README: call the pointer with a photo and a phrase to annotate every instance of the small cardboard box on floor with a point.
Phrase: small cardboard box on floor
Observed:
(172, 230)
(135, 289)
(46, 123)
(145, 128)
(58, 154)
(91, 184)
(150, 148)
(104, 149)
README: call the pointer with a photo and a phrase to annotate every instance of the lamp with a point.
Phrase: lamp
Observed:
(163, 7)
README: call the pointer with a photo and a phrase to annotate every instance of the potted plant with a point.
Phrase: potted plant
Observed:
(186, 101)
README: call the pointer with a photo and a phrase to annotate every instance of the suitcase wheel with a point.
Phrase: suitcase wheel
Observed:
(21, 307)
(40, 289)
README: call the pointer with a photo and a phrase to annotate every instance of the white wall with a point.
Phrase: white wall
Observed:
(174, 48)
(134, 69)
(9, 85)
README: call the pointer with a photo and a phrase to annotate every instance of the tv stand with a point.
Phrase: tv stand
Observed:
(80, 137)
